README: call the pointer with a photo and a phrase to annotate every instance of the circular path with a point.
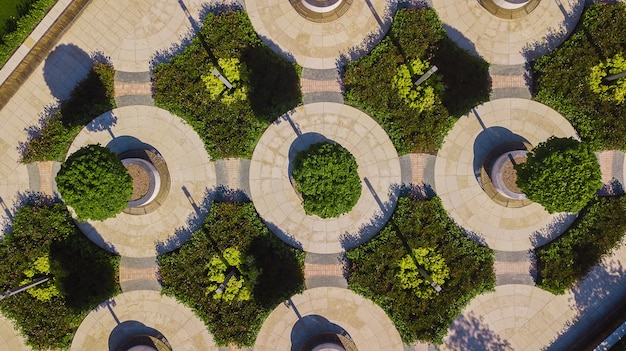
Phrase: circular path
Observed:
(277, 202)
(191, 171)
(459, 160)
(9, 337)
(367, 324)
(508, 41)
(319, 45)
(145, 312)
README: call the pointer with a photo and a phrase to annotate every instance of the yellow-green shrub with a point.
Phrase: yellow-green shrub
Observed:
(411, 278)
(43, 292)
(236, 73)
(616, 90)
(422, 97)
(238, 287)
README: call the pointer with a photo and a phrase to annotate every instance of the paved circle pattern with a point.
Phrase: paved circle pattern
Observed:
(192, 178)
(458, 160)
(277, 202)
(9, 338)
(319, 45)
(504, 41)
(180, 326)
(366, 323)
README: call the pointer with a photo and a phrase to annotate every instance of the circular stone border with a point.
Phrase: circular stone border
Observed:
(512, 12)
(321, 14)
(366, 323)
(153, 176)
(277, 202)
(191, 172)
(463, 151)
(496, 174)
(152, 157)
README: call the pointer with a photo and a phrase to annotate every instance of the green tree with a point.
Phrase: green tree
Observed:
(94, 183)
(562, 174)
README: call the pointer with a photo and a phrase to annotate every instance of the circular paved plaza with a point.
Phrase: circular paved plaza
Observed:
(319, 45)
(328, 309)
(142, 313)
(191, 171)
(276, 200)
(9, 339)
(458, 164)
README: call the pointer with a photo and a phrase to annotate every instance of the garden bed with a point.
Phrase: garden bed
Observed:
(380, 267)
(229, 121)
(233, 230)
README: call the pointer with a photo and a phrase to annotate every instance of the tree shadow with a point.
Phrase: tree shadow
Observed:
(492, 142)
(105, 121)
(26, 198)
(65, 66)
(302, 143)
(612, 188)
(311, 328)
(558, 226)
(124, 143)
(472, 333)
(133, 333)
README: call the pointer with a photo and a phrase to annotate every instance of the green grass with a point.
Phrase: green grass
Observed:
(8, 8)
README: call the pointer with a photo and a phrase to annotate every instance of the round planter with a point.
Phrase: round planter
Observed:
(497, 174)
(154, 181)
(321, 6)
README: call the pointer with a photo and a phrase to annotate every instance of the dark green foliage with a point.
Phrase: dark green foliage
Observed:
(85, 274)
(561, 78)
(326, 176)
(416, 34)
(562, 174)
(90, 98)
(421, 224)
(17, 29)
(598, 229)
(228, 130)
(233, 225)
(95, 183)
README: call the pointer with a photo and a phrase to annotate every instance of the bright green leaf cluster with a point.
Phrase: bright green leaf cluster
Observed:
(48, 290)
(239, 286)
(612, 91)
(326, 177)
(94, 183)
(562, 174)
(428, 260)
(422, 97)
(236, 73)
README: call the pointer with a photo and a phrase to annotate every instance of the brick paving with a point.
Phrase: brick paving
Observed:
(512, 267)
(322, 270)
(125, 88)
(418, 164)
(315, 86)
(129, 273)
(45, 177)
(500, 82)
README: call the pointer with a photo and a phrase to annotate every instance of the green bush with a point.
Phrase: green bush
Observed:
(562, 77)
(419, 224)
(83, 275)
(95, 183)
(326, 177)
(411, 277)
(611, 91)
(416, 124)
(598, 229)
(90, 98)
(23, 26)
(240, 285)
(561, 174)
(233, 225)
(231, 124)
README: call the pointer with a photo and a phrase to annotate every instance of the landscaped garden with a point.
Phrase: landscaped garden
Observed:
(229, 121)
(571, 79)
(264, 271)
(385, 270)
(45, 242)
(381, 82)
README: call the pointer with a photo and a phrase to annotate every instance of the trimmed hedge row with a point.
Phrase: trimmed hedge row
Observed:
(233, 225)
(231, 121)
(416, 34)
(421, 224)
(598, 229)
(83, 274)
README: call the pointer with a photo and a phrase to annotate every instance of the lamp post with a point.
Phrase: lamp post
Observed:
(18, 290)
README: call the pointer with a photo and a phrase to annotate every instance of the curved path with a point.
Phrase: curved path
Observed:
(277, 202)
(9, 338)
(192, 179)
(142, 312)
(509, 41)
(328, 309)
(319, 45)
(464, 149)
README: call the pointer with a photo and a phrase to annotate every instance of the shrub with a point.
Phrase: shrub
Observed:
(90, 98)
(267, 86)
(239, 286)
(561, 174)
(418, 225)
(611, 91)
(598, 229)
(417, 119)
(326, 177)
(95, 183)
(561, 78)
(233, 226)
(44, 238)
(412, 278)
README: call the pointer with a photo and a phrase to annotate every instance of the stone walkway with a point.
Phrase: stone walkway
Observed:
(9, 339)
(320, 45)
(277, 202)
(508, 41)
(328, 309)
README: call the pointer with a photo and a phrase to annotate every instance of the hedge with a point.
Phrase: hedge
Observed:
(421, 224)
(598, 229)
(83, 273)
(416, 35)
(231, 121)
(228, 226)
